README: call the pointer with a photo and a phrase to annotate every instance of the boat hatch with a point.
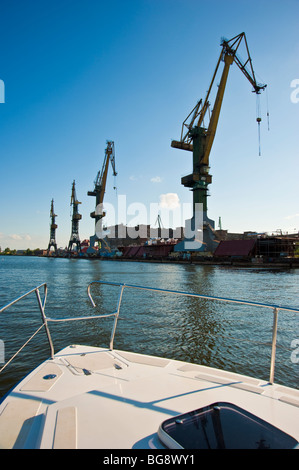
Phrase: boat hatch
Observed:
(222, 426)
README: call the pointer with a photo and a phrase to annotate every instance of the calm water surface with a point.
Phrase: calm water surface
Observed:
(234, 337)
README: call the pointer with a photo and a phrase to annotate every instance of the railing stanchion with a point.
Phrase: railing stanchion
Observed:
(274, 338)
(44, 319)
(116, 316)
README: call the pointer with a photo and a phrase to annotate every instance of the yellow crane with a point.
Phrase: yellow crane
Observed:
(199, 139)
(100, 188)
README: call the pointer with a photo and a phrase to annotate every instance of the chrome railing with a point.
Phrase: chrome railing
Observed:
(41, 304)
(122, 287)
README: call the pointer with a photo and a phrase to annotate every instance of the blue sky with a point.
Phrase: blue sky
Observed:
(77, 74)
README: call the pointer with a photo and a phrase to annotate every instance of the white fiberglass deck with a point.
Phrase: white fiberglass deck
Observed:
(96, 398)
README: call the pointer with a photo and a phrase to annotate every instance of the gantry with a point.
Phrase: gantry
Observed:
(53, 227)
(197, 138)
(99, 192)
(74, 239)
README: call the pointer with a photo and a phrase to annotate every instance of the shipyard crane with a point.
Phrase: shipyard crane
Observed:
(74, 239)
(199, 139)
(53, 227)
(99, 190)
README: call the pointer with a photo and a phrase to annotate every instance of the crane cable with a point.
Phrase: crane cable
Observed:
(258, 119)
(268, 120)
(114, 185)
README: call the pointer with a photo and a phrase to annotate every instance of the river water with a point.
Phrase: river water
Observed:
(229, 336)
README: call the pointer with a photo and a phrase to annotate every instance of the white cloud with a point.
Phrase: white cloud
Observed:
(15, 236)
(288, 217)
(135, 177)
(169, 201)
(156, 179)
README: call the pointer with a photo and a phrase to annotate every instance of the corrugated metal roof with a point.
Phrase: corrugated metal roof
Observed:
(235, 248)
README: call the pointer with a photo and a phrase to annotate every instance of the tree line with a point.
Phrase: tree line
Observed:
(28, 252)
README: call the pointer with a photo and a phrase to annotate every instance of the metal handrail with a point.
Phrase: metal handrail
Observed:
(41, 304)
(46, 320)
(275, 309)
(44, 285)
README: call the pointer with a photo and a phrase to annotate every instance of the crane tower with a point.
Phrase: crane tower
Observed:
(199, 139)
(99, 192)
(74, 239)
(53, 227)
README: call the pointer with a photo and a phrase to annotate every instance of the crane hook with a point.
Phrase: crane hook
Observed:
(258, 119)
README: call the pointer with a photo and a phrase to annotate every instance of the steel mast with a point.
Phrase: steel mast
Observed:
(74, 239)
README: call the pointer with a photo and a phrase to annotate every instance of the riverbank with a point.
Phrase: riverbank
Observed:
(286, 264)
(259, 263)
